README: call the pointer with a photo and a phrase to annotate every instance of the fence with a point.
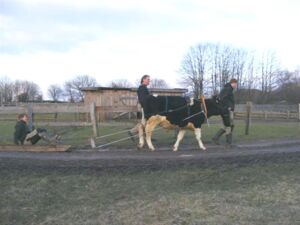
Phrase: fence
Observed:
(243, 111)
(268, 112)
(283, 112)
(55, 109)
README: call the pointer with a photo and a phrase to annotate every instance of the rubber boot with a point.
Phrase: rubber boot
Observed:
(229, 140)
(50, 140)
(217, 136)
(34, 139)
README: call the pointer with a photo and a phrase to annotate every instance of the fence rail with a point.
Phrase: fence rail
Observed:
(260, 112)
(257, 111)
(268, 115)
(54, 108)
(45, 108)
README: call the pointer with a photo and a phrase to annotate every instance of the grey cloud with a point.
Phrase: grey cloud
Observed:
(54, 28)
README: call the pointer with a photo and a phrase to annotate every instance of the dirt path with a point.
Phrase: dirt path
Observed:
(161, 158)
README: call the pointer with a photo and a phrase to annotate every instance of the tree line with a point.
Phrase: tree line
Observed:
(208, 66)
(70, 91)
(205, 69)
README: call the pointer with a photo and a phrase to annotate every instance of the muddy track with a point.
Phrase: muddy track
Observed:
(126, 159)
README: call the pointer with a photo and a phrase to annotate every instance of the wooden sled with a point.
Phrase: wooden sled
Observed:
(34, 148)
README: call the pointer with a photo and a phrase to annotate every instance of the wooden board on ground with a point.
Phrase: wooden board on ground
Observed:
(35, 148)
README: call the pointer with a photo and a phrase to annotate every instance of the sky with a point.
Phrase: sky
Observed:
(52, 41)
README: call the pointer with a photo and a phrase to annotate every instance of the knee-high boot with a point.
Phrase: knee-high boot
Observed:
(217, 136)
(229, 140)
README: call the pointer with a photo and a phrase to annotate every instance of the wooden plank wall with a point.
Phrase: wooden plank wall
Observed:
(112, 102)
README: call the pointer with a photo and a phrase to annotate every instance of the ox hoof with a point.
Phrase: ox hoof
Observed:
(204, 149)
(152, 149)
(175, 149)
(139, 147)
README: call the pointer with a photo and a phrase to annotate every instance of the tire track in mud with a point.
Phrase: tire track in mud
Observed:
(163, 158)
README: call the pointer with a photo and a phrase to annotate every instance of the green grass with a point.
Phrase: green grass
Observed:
(79, 137)
(263, 192)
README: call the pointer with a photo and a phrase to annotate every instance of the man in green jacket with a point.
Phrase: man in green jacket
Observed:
(226, 101)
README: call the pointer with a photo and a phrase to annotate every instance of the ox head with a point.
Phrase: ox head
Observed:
(213, 106)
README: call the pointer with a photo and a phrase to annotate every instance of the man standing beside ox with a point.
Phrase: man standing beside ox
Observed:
(226, 101)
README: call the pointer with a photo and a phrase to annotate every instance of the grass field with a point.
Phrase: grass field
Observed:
(79, 137)
(259, 192)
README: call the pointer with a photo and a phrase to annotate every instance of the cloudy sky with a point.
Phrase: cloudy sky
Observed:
(51, 41)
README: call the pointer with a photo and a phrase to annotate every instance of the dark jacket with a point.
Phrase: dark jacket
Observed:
(21, 130)
(142, 93)
(226, 97)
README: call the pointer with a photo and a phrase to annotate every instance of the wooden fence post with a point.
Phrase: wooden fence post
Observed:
(299, 112)
(248, 117)
(94, 119)
(265, 115)
(30, 115)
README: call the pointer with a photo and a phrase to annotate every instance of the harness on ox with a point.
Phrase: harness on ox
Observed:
(204, 110)
(172, 111)
(163, 108)
(176, 109)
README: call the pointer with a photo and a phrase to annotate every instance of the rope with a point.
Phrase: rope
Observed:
(112, 134)
(122, 139)
(165, 111)
(124, 131)
(193, 115)
(205, 109)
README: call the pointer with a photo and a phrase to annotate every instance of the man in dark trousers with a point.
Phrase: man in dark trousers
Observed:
(226, 101)
(23, 135)
(143, 93)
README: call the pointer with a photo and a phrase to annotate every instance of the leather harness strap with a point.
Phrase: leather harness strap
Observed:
(188, 111)
(204, 105)
(166, 109)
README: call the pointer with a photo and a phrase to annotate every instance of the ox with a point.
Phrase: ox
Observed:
(171, 112)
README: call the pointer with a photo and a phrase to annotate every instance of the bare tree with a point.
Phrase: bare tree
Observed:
(288, 83)
(239, 65)
(214, 50)
(269, 68)
(55, 92)
(121, 83)
(158, 83)
(250, 80)
(6, 90)
(73, 87)
(193, 68)
(211, 66)
(207, 67)
(27, 91)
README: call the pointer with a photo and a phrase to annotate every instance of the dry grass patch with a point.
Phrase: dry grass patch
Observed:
(258, 192)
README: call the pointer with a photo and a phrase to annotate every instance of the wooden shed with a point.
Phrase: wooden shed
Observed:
(114, 103)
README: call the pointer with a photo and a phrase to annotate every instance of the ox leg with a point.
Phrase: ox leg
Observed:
(179, 138)
(150, 126)
(198, 137)
(141, 136)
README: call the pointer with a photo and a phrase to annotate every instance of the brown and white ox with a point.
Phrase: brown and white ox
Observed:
(171, 112)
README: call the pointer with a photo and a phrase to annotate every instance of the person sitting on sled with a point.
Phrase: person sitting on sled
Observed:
(23, 135)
